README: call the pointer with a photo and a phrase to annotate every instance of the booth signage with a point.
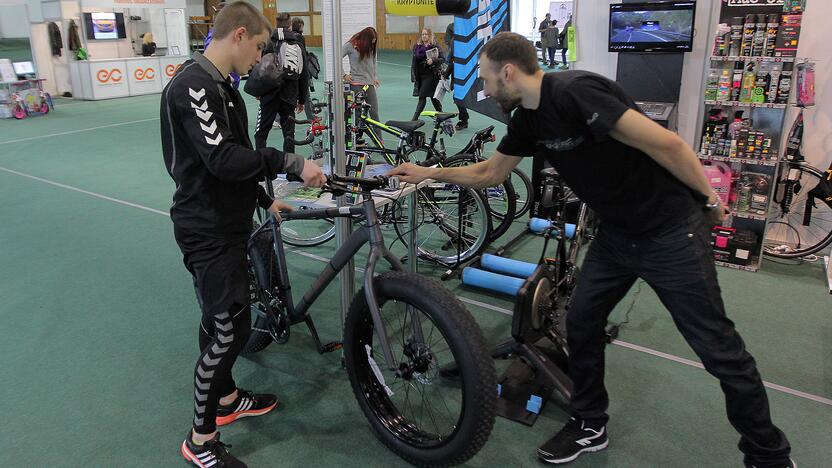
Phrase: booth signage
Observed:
(427, 7)
(748, 3)
(143, 76)
(168, 66)
(108, 76)
(88, 4)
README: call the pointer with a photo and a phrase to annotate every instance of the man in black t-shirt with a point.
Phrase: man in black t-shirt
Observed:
(656, 209)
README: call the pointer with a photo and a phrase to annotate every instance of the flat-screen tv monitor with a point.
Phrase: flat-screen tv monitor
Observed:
(652, 27)
(103, 26)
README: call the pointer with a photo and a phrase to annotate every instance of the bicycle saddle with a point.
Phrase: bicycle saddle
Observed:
(405, 126)
(439, 116)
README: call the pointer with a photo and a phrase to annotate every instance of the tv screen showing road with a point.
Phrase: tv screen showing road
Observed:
(639, 30)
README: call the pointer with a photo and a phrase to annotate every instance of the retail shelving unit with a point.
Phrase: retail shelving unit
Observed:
(752, 156)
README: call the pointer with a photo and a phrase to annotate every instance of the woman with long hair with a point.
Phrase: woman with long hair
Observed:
(425, 71)
(148, 46)
(361, 51)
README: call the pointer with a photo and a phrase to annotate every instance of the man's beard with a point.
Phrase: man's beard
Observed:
(506, 102)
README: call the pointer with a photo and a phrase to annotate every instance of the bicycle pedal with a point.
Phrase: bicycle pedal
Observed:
(330, 347)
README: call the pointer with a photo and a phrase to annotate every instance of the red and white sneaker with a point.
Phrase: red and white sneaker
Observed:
(247, 404)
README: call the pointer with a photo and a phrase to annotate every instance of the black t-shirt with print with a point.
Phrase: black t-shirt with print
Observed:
(570, 129)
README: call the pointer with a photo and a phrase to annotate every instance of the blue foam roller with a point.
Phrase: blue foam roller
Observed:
(533, 406)
(493, 281)
(507, 266)
(538, 225)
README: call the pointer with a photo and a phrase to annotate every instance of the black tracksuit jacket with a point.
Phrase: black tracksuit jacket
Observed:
(209, 155)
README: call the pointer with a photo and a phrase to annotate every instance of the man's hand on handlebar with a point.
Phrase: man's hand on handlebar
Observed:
(312, 174)
(411, 173)
(299, 108)
(277, 207)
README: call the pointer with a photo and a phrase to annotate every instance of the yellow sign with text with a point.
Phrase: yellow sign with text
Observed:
(427, 7)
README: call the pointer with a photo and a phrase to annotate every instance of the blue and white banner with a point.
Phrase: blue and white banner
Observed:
(484, 20)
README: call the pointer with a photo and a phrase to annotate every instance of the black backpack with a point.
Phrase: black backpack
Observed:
(313, 66)
(282, 61)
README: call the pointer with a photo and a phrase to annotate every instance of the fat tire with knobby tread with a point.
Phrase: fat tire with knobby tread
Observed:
(477, 372)
(261, 260)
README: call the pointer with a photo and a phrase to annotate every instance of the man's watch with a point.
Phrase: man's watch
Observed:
(713, 206)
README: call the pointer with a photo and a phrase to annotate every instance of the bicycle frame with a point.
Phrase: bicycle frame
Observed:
(368, 233)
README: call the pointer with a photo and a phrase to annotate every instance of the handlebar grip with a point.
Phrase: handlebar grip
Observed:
(309, 139)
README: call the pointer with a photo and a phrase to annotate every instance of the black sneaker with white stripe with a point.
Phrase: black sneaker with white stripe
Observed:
(211, 454)
(574, 439)
(247, 404)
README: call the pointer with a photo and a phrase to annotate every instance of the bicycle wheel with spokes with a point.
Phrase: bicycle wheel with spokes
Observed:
(501, 199)
(523, 192)
(426, 419)
(453, 222)
(307, 232)
(798, 224)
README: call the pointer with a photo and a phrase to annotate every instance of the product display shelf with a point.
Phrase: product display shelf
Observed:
(763, 105)
(752, 268)
(758, 75)
(748, 58)
(728, 159)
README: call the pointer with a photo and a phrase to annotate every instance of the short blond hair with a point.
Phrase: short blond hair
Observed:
(240, 14)
(147, 38)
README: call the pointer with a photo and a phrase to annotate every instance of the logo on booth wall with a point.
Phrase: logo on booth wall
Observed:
(111, 75)
(171, 70)
(145, 74)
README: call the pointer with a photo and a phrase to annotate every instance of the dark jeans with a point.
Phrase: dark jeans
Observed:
(270, 108)
(420, 106)
(463, 111)
(552, 51)
(563, 55)
(678, 264)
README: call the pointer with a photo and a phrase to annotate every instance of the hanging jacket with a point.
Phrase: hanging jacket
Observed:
(55, 40)
(74, 38)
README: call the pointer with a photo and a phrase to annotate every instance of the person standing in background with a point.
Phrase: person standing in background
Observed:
(549, 41)
(460, 105)
(361, 50)
(564, 43)
(148, 46)
(424, 71)
(544, 25)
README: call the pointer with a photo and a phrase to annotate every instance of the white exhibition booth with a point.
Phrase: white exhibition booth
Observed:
(115, 67)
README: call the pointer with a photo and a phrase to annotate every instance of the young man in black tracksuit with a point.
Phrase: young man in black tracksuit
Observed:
(290, 98)
(208, 153)
(656, 209)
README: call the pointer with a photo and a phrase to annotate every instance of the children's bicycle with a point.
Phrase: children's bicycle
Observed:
(401, 328)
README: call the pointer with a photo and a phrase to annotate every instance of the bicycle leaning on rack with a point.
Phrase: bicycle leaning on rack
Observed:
(401, 328)
(800, 220)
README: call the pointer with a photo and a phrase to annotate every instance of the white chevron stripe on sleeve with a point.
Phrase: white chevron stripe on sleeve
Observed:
(196, 95)
(209, 129)
(204, 115)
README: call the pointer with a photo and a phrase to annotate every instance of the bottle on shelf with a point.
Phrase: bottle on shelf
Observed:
(773, 82)
(712, 85)
(747, 90)
(748, 29)
(759, 42)
(736, 81)
(758, 95)
(724, 87)
(784, 88)
(772, 26)
(736, 36)
(736, 125)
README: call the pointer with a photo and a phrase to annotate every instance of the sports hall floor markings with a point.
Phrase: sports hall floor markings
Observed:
(80, 130)
(623, 344)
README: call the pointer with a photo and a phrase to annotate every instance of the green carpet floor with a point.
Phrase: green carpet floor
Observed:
(99, 326)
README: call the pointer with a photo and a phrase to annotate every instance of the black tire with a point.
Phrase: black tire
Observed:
(805, 234)
(467, 347)
(501, 199)
(523, 191)
(261, 262)
(430, 202)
